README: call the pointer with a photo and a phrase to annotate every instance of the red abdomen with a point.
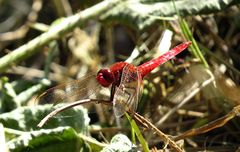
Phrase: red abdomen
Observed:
(147, 67)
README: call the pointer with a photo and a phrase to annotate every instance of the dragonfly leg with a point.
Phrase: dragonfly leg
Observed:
(113, 89)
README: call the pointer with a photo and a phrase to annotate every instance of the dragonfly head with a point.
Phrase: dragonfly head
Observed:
(105, 77)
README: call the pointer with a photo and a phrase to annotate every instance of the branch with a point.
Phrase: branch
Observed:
(67, 106)
(57, 31)
(136, 116)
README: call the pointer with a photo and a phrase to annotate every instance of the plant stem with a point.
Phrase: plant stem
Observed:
(59, 30)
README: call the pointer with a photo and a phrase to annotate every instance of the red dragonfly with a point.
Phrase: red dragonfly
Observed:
(124, 79)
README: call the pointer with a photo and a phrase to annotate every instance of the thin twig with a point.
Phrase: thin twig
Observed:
(163, 136)
(186, 99)
(210, 126)
(136, 116)
(67, 106)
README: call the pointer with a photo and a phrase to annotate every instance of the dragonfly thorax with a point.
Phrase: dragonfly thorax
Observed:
(105, 77)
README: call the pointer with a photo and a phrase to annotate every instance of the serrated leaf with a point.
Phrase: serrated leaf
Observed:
(61, 139)
(27, 118)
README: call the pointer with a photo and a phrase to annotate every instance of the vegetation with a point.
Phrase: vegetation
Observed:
(188, 103)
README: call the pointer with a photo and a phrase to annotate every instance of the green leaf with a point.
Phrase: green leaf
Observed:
(7, 95)
(138, 133)
(119, 143)
(194, 47)
(61, 139)
(27, 118)
(17, 93)
(131, 12)
(93, 143)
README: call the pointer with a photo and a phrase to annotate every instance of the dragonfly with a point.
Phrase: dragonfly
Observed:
(123, 80)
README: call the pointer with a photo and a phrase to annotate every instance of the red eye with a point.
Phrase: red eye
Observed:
(105, 77)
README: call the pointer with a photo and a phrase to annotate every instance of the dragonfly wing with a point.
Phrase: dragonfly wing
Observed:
(139, 90)
(128, 92)
(83, 88)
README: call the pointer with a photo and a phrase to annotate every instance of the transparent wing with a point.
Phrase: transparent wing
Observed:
(128, 92)
(85, 87)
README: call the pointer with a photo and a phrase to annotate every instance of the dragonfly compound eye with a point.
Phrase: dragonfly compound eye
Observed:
(105, 77)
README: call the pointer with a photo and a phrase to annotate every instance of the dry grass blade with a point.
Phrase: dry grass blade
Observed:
(163, 136)
(135, 115)
(210, 126)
